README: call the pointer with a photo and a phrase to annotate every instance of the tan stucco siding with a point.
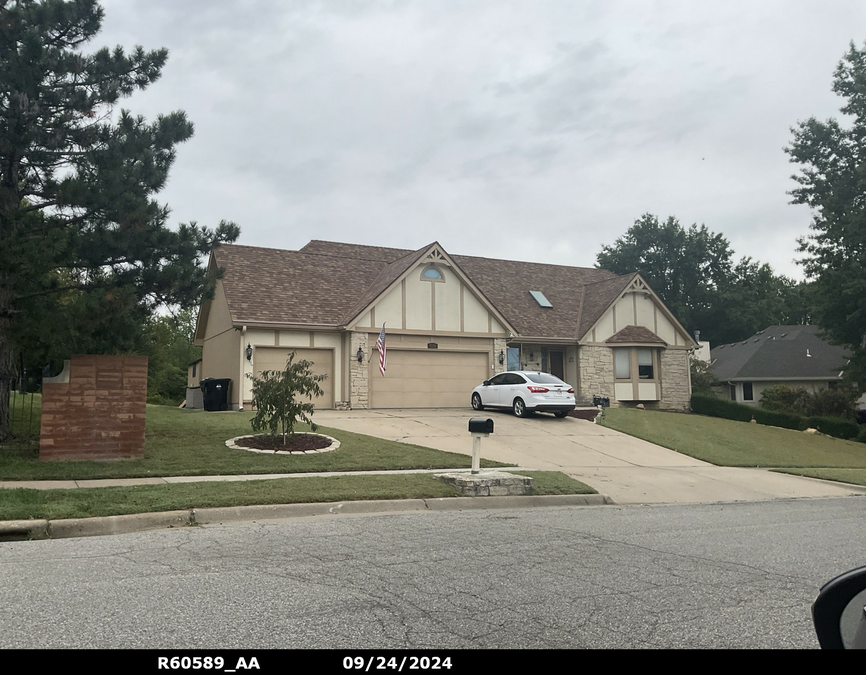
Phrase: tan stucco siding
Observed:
(441, 306)
(389, 309)
(637, 309)
(474, 314)
(220, 356)
(446, 300)
(366, 320)
(221, 346)
(645, 311)
(604, 328)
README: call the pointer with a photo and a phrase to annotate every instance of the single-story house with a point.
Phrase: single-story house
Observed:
(450, 322)
(795, 356)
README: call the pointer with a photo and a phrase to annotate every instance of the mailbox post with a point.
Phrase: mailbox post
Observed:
(479, 427)
(600, 402)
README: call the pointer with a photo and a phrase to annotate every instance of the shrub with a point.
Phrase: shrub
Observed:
(718, 407)
(833, 426)
(774, 418)
(838, 402)
(277, 398)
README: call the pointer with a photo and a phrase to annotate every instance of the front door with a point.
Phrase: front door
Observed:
(557, 368)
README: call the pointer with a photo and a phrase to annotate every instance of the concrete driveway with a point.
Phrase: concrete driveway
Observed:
(627, 469)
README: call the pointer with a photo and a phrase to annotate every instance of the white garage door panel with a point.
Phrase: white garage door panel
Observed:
(427, 379)
(274, 358)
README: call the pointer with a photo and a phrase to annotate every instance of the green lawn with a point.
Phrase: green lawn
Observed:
(855, 476)
(22, 504)
(192, 443)
(729, 443)
(180, 442)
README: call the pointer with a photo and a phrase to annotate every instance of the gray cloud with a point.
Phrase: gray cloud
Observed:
(521, 130)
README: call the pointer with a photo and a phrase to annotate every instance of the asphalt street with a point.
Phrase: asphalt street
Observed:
(738, 575)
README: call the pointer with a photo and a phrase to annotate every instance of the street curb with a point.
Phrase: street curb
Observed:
(18, 530)
(133, 522)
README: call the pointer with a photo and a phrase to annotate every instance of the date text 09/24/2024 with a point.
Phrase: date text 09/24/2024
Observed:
(400, 664)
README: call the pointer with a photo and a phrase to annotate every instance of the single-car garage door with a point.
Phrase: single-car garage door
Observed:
(427, 378)
(274, 358)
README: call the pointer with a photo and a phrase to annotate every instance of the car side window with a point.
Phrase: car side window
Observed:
(499, 379)
(514, 378)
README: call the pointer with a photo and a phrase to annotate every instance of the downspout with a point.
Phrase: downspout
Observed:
(243, 367)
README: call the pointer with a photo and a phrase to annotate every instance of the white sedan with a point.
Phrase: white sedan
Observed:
(525, 392)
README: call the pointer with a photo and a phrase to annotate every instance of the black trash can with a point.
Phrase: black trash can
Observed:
(215, 392)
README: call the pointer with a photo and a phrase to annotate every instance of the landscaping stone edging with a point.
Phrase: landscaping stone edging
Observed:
(333, 446)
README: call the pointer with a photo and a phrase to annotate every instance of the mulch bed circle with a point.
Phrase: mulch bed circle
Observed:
(298, 444)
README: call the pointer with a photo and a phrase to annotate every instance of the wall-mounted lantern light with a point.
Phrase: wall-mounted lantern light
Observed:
(532, 356)
(501, 357)
(360, 355)
(249, 352)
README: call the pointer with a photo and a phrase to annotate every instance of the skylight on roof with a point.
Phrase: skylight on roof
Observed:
(540, 299)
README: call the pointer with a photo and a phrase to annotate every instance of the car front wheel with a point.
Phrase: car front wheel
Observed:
(476, 402)
(520, 408)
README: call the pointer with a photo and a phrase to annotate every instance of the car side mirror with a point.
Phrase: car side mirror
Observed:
(486, 383)
(839, 612)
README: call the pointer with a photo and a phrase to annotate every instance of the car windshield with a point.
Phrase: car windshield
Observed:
(544, 378)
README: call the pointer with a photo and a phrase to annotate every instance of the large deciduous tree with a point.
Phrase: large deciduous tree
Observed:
(693, 272)
(85, 250)
(832, 181)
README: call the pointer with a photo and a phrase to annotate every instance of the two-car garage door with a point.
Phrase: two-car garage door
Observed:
(426, 378)
(413, 379)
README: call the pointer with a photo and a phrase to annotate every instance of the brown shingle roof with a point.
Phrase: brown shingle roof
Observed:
(354, 251)
(507, 284)
(318, 285)
(598, 296)
(635, 334)
(266, 285)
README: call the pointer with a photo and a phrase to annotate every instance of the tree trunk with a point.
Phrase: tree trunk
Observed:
(7, 363)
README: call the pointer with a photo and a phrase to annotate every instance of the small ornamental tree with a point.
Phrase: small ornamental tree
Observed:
(278, 396)
(703, 378)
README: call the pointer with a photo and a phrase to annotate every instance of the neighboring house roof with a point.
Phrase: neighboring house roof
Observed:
(329, 283)
(631, 334)
(780, 353)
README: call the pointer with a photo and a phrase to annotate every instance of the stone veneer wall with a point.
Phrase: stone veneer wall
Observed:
(596, 378)
(359, 386)
(95, 410)
(596, 373)
(676, 383)
(499, 345)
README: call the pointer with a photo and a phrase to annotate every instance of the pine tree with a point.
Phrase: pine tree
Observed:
(79, 225)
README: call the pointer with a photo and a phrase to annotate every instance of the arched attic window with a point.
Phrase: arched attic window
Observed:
(432, 273)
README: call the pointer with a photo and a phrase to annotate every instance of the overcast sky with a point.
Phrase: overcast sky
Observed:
(535, 130)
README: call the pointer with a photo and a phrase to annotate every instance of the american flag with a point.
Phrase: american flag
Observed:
(380, 345)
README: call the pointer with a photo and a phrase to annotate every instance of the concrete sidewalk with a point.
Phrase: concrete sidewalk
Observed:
(174, 480)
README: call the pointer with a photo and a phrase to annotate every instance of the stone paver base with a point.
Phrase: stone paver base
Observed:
(488, 483)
